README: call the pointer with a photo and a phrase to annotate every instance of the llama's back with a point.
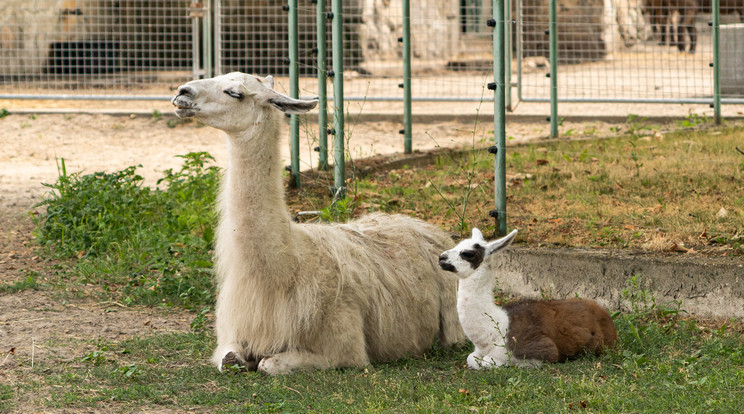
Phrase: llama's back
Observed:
(388, 264)
(556, 330)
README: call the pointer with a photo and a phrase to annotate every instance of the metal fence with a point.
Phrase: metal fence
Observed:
(608, 50)
(451, 46)
(643, 51)
(105, 49)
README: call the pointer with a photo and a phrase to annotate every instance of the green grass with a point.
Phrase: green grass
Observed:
(30, 282)
(663, 363)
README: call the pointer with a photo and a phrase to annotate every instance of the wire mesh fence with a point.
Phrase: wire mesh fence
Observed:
(608, 50)
(95, 48)
(450, 43)
(636, 51)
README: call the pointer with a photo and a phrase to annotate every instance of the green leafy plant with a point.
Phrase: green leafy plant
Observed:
(148, 245)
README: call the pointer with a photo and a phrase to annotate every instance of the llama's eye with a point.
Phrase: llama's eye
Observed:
(235, 94)
(468, 254)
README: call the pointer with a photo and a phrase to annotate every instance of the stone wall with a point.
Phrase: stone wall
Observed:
(29, 27)
(434, 29)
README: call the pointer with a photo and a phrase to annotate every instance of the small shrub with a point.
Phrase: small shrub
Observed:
(147, 245)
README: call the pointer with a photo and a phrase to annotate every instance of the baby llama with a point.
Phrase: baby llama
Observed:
(526, 332)
(309, 296)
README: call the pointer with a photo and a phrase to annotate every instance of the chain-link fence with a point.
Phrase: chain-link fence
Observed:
(608, 50)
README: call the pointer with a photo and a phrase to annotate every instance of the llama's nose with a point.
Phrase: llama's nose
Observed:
(442, 257)
(185, 90)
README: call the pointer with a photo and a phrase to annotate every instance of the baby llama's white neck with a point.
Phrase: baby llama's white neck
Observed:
(255, 219)
(479, 315)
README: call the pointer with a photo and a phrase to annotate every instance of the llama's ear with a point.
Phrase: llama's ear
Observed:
(500, 244)
(290, 105)
(269, 81)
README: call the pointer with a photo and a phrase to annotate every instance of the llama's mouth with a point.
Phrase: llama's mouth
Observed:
(446, 266)
(184, 108)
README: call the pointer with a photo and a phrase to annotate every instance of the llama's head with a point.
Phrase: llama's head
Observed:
(234, 102)
(465, 258)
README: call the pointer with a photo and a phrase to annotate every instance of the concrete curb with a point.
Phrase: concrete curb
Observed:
(707, 286)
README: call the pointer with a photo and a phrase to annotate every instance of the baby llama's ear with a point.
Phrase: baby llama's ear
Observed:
(500, 244)
(477, 235)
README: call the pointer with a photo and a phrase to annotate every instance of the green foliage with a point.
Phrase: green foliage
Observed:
(339, 210)
(146, 245)
(200, 320)
(694, 120)
(3, 113)
(127, 371)
(29, 282)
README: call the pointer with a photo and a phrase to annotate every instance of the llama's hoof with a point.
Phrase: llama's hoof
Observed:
(231, 361)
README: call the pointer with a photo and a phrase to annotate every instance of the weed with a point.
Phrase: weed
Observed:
(200, 320)
(339, 210)
(634, 157)
(97, 357)
(128, 371)
(636, 125)
(156, 115)
(4, 112)
(590, 131)
(693, 120)
(30, 282)
(146, 245)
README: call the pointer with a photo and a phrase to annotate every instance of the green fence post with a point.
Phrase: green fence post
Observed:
(320, 22)
(716, 63)
(508, 53)
(553, 40)
(407, 124)
(499, 117)
(337, 32)
(294, 92)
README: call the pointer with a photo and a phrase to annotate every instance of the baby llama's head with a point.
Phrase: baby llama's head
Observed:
(465, 258)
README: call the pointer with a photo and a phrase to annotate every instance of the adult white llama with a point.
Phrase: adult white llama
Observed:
(526, 332)
(301, 296)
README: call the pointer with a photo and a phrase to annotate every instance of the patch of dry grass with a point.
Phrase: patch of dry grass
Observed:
(676, 192)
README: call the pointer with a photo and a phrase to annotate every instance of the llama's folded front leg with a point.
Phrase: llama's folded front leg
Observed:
(342, 342)
(289, 361)
(286, 362)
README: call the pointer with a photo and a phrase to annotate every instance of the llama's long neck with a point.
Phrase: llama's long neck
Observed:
(479, 315)
(254, 217)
